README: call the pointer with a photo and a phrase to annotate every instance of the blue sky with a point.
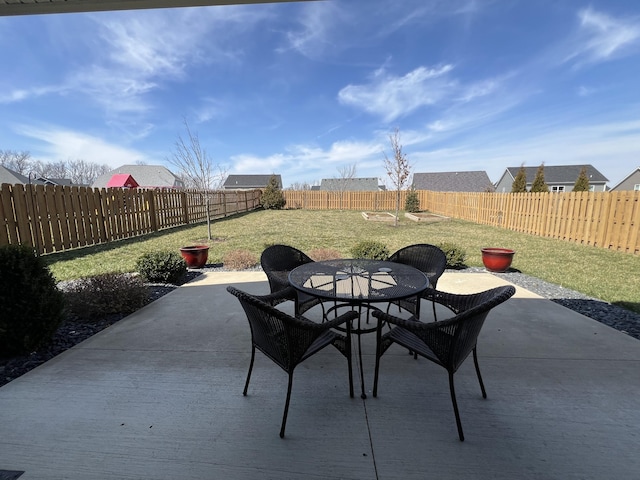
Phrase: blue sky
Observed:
(305, 89)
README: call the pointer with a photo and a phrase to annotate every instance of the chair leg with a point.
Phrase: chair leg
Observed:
(475, 361)
(286, 406)
(348, 349)
(435, 318)
(455, 407)
(253, 356)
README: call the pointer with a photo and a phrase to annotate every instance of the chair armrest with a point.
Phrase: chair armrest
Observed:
(411, 323)
(345, 317)
(280, 296)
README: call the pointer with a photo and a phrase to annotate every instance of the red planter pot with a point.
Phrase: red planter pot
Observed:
(497, 259)
(195, 255)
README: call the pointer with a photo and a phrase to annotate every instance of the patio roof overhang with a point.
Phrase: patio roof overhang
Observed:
(37, 7)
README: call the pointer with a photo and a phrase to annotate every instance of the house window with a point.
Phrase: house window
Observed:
(592, 188)
(557, 188)
(636, 186)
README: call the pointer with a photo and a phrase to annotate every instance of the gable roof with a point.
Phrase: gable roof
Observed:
(250, 181)
(122, 180)
(560, 174)
(147, 176)
(365, 184)
(474, 181)
(627, 178)
(9, 176)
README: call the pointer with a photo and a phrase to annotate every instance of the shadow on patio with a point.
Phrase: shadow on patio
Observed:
(159, 395)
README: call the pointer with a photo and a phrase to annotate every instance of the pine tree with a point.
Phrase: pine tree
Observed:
(582, 182)
(412, 201)
(520, 182)
(539, 184)
(272, 197)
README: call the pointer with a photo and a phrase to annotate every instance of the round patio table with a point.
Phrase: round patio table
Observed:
(359, 283)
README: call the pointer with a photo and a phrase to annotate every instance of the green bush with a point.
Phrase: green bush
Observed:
(161, 267)
(412, 202)
(456, 256)
(31, 306)
(370, 249)
(109, 293)
(272, 196)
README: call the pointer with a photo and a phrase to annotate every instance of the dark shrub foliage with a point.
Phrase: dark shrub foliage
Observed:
(95, 297)
(520, 182)
(582, 182)
(412, 202)
(370, 249)
(539, 185)
(272, 196)
(239, 260)
(31, 306)
(161, 267)
(456, 256)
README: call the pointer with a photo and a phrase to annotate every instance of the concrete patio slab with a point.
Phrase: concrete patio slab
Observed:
(159, 396)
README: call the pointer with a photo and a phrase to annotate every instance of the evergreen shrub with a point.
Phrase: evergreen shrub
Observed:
(110, 293)
(412, 202)
(31, 305)
(161, 267)
(456, 256)
(371, 249)
(272, 196)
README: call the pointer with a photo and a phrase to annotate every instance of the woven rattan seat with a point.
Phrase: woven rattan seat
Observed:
(287, 340)
(431, 261)
(447, 342)
(277, 261)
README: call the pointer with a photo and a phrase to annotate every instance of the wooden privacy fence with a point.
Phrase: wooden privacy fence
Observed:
(608, 220)
(56, 218)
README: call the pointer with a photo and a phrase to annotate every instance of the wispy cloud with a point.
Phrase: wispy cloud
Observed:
(62, 144)
(603, 37)
(391, 97)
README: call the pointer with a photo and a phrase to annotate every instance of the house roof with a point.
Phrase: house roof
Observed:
(250, 181)
(147, 176)
(368, 184)
(9, 176)
(634, 172)
(31, 7)
(474, 181)
(122, 180)
(560, 174)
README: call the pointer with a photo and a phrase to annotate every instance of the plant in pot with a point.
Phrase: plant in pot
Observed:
(497, 259)
(195, 255)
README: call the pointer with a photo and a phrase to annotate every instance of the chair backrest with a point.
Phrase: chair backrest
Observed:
(277, 261)
(429, 259)
(281, 337)
(464, 328)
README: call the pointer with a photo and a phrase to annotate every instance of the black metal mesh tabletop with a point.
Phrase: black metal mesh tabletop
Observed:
(358, 280)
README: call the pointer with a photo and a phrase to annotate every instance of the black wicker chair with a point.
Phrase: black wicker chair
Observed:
(430, 260)
(447, 342)
(287, 340)
(277, 261)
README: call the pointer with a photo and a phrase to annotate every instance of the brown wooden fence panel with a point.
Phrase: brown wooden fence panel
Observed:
(56, 218)
(604, 219)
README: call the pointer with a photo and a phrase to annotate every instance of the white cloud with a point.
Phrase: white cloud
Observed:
(61, 144)
(603, 37)
(391, 97)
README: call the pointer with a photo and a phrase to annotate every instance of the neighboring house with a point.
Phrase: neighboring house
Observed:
(630, 182)
(249, 182)
(9, 176)
(146, 176)
(559, 178)
(66, 182)
(122, 180)
(369, 184)
(474, 181)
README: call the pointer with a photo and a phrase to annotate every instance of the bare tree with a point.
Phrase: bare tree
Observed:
(397, 167)
(345, 180)
(82, 172)
(19, 162)
(298, 186)
(196, 168)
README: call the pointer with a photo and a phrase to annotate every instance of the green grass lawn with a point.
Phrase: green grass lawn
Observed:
(610, 276)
